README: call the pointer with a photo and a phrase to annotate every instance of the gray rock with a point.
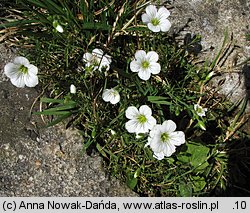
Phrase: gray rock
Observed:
(211, 19)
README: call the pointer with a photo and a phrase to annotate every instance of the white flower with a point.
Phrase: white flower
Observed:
(21, 72)
(156, 20)
(97, 60)
(141, 121)
(72, 89)
(199, 110)
(111, 95)
(57, 26)
(145, 64)
(163, 139)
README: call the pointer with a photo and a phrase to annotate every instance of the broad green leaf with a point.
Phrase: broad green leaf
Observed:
(185, 158)
(198, 183)
(198, 153)
(185, 190)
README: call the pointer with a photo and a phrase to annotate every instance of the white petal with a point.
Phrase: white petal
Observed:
(159, 155)
(151, 122)
(151, 10)
(153, 28)
(98, 53)
(142, 128)
(131, 126)
(131, 112)
(168, 126)
(156, 144)
(155, 131)
(21, 60)
(106, 95)
(165, 25)
(144, 74)
(140, 55)
(145, 110)
(163, 12)
(196, 107)
(134, 66)
(145, 18)
(18, 81)
(11, 70)
(115, 99)
(177, 138)
(87, 57)
(59, 28)
(169, 149)
(30, 80)
(72, 89)
(152, 56)
(155, 68)
(32, 69)
(106, 59)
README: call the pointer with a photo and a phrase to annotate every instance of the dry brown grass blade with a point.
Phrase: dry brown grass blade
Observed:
(7, 32)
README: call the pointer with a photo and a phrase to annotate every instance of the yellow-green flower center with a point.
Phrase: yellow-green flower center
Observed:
(95, 61)
(141, 119)
(23, 69)
(165, 137)
(199, 110)
(114, 93)
(145, 64)
(155, 21)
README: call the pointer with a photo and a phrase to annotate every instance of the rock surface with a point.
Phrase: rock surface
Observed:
(211, 19)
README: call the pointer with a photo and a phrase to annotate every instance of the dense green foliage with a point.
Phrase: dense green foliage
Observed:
(197, 168)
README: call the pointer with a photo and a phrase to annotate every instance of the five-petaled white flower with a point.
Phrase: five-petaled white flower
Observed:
(199, 110)
(145, 64)
(156, 20)
(97, 60)
(111, 95)
(141, 121)
(21, 72)
(72, 89)
(163, 139)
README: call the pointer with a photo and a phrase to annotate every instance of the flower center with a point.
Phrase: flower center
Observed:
(199, 110)
(155, 21)
(23, 69)
(95, 61)
(145, 64)
(142, 119)
(165, 137)
(114, 93)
